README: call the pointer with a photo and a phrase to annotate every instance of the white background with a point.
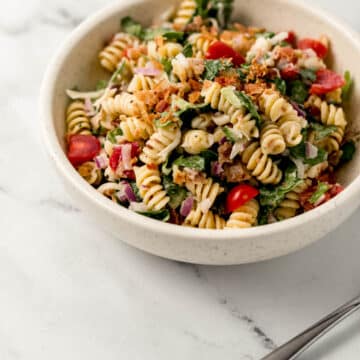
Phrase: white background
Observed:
(69, 291)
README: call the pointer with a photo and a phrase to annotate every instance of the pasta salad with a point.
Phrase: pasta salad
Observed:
(212, 124)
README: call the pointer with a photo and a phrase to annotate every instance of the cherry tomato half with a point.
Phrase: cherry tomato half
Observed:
(82, 148)
(290, 72)
(326, 81)
(116, 155)
(220, 50)
(291, 39)
(320, 49)
(239, 196)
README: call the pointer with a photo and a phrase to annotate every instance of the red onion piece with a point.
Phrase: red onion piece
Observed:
(121, 196)
(216, 168)
(186, 206)
(126, 156)
(271, 219)
(135, 206)
(311, 151)
(101, 161)
(129, 192)
(148, 71)
(298, 109)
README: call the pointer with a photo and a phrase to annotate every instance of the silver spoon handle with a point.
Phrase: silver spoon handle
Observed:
(292, 349)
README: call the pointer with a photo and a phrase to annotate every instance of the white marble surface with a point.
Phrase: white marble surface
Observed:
(69, 291)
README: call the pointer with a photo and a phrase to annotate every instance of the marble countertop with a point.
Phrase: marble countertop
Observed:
(70, 291)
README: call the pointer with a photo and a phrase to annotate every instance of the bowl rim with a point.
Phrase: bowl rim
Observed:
(57, 154)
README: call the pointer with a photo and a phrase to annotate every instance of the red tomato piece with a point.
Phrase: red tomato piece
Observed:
(82, 148)
(320, 49)
(220, 50)
(116, 155)
(291, 39)
(239, 196)
(326, 81)
(290, 72)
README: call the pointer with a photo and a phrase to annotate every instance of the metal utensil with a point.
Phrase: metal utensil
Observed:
(293, 348)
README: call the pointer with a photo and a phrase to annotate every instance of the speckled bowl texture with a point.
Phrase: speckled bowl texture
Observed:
(76, 63)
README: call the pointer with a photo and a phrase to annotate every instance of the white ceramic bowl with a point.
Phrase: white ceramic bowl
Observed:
(76, 64)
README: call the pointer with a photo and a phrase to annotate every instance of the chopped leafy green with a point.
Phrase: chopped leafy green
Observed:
(266, 35)
(348, 85)
(165, 169)
(298, 91)
(298, 152)
(272, 197)
(152, 33)
(243, 71)
(183, 108)
(213, 67)
(193, 162)
(209, 156)
(348, 150)
(322, 131)
(229, 134)
(263, 216)
(132, 27)
(219, 9)
(284, 44)
(175, 192)
(249, 105)
(320, 191)
(163, 215)
(160, 123)
(308, 74)
(280, 85)
(111, 135)
(173, 35)
(117, 72)
(166, 63)
(101, 84)
(188, 50)
(135, 190)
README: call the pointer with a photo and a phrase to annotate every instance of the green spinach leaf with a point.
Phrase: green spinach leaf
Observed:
(320, 191)
(193, 162)
(163, 215)
(175, 192)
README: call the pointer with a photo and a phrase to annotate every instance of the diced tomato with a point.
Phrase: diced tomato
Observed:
(162, 105)
(326, 81)
(290, 72)
(335, 190)
(220, 50)
(82, 148)
(320, 49)
(116, 155)
(129, 174)
(239, 196)
(291, 39)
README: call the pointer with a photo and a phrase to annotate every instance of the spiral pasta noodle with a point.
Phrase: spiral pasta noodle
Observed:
(123, 103)
(271, 140)
(160, 144)
(90, 172)
(134, 129)
(245, 124)
(244, 217)
(184, 13)
(77, 120)
(202, 121)
(113, 53)
(260, 165)
(290, 205)
(209, 220)
(209, 190)
(141, 82)
(151, 191)
(201, 43)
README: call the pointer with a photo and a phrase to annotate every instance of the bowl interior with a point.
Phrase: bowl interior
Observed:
(79, 65)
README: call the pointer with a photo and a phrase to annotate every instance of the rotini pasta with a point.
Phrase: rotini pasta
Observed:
(244, 217)
(77, 120)
(211, 125)
(209, 220)
(261, 165)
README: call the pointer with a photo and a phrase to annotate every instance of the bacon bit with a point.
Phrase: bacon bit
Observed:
(162, 106)
(235, 173)
(195, 85)
(255, 89)
(175, 217)
(314, 111)
(257, 71)
(229, 79)
(285, 53)
(151, 166)
(194, 96)
(224, 151)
